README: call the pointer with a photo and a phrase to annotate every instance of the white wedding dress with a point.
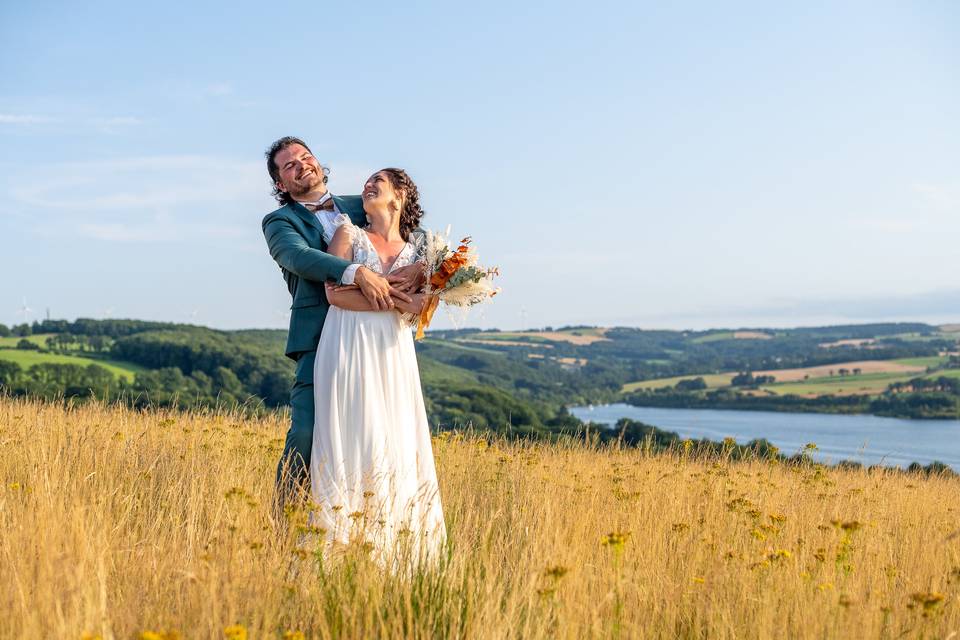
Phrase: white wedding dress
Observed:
(372, 470)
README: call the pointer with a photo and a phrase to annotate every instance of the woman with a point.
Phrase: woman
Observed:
(372, 471)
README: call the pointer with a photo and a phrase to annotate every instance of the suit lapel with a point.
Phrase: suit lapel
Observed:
(308, 216)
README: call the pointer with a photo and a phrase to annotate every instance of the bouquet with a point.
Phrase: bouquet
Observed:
(453, 277)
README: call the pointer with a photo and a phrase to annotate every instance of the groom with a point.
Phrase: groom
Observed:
(295, 238)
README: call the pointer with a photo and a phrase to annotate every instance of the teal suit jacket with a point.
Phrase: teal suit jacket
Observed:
(295, 239)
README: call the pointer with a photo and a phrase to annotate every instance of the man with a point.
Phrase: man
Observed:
(294, 236)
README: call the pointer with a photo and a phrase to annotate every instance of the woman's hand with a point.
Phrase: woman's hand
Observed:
(409, 278)
(415, 306)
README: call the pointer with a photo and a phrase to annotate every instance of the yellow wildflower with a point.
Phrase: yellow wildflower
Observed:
(556, 572)
(615, 540)
(927, 600)
(235, 632)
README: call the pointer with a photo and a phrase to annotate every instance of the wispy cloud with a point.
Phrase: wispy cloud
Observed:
(104, 124)
(943, 197)
(885, 225)
(115, 124)
(219, 89)
(146, 199)
(26, 119)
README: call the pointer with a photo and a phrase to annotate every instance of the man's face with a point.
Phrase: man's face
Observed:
(300, 173)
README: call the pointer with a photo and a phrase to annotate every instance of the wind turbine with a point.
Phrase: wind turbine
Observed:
(25, 311)
(523, 318)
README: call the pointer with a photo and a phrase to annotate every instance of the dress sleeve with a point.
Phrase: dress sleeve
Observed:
(330, 222)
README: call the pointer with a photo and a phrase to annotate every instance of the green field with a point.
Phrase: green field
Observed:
(713, 337)
(433, 372)
(494, 336)
(27, 359)
(535, 336)
(713, 380)
(40, 340)
(946, 373)
(932, 361)
(452, 344)
(865, 384)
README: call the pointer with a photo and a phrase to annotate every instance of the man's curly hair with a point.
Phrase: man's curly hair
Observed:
(282, 196)
(411, 212)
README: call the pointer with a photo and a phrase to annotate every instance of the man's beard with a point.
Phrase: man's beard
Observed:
(303, 188)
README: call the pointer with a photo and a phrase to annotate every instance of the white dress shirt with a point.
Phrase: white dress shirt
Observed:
(350, 273)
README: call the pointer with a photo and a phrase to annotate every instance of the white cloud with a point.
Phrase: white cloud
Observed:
(146, 199)
(885, 225)
(105, 124)
(115, 124)
(944, 198)
(219, 89)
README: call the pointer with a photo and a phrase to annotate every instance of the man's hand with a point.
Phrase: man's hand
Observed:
(377, 290)
(410, 278)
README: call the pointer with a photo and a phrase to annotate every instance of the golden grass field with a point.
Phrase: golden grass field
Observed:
(121, 524)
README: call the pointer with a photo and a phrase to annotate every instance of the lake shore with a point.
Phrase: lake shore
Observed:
(862, 438)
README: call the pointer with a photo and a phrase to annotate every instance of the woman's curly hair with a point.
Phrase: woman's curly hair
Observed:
(411, 212)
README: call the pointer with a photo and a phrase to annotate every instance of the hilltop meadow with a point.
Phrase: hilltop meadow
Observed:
(122, 522)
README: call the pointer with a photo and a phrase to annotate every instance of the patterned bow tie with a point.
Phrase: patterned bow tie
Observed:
(325, 204)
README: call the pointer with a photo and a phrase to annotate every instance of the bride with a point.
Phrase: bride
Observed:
(372, 470)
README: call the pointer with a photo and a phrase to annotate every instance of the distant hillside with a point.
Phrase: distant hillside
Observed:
(517, 381)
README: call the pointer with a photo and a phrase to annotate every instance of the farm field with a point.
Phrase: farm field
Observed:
(813, 380)
(932, 361)
(163, 526)
(713, 381)
(865, 384)
(11, 341)
(823, 371)
(732, 335)
(573, 336)
(502, 342)
(27, 359)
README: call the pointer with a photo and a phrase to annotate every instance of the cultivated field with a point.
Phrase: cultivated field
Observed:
(712, 380)
(573, 336)
(733, 335)
(11, 341)
(865, 367)
(873, 378)
(119, 524)
(27, 359)
(868, 384)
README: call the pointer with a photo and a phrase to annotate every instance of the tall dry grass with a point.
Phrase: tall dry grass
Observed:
(119, 524)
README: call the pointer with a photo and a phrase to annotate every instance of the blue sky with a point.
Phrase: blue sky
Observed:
(691, 165)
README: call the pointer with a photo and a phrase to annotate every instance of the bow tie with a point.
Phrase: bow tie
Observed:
(324, 204)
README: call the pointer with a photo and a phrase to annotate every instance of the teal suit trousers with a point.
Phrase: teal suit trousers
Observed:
(295, 460)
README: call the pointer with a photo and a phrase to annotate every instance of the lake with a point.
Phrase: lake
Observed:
(866, 439)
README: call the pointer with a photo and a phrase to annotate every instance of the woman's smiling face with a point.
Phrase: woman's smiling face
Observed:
(378, 192)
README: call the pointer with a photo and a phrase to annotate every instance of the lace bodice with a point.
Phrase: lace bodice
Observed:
(364, 253)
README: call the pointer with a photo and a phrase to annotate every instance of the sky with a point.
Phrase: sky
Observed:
(661, 165)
